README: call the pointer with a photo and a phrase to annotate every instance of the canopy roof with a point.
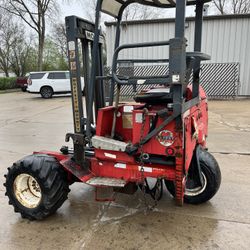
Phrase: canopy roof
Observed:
(113, 7)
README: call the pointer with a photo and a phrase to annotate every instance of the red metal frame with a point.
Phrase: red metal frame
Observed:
(115, 164)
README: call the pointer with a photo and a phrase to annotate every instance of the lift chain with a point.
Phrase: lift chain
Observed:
(154, 193)
(145, 111)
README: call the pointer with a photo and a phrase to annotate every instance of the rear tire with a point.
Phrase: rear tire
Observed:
(212, 178)
(36, 186)
(46, 92)
(24, 89)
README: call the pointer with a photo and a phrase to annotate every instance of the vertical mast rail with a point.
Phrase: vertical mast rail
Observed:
(197, 46)
(93, 69)
(75, 75)
(177, 58)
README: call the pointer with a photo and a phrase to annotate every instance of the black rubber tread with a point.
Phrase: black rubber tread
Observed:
(211, 170)
(48, 87)
(51, 178)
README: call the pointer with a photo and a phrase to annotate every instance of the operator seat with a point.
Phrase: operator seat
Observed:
(159, 95)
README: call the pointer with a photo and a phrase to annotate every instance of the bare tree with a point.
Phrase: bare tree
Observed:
(220, 5)
(15, 51)
(241, 6)
(8, 33)
(232, 6)
(21, 56)
(90, 10)
(141, 12)
(132, 12)
(34, 14)
(59, 38)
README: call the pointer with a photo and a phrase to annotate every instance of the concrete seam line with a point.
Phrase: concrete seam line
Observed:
(230, 153)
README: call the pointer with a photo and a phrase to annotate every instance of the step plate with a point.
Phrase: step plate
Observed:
(111, 182)
(105, 143)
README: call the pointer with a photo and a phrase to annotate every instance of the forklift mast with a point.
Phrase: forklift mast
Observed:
(80, 40)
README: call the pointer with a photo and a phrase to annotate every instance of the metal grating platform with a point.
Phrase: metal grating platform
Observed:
(102, 181)
(219, 80)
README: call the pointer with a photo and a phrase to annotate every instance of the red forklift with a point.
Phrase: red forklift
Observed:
(160, 137)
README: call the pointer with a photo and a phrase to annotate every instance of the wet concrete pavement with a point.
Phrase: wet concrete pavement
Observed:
(29, 123)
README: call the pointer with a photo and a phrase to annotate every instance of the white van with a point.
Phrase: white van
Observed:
(48, 83)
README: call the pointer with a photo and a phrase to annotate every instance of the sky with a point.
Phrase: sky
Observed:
(72, 8)
(79, 8)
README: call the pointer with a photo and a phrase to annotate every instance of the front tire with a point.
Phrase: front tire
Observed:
(36, 186)
(46, 92)
(195, 194)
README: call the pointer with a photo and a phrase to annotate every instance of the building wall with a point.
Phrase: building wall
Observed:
(226, 39)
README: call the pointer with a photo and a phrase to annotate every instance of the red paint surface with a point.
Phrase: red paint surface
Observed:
(185, 140)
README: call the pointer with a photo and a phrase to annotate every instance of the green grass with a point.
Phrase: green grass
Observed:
(7, 83)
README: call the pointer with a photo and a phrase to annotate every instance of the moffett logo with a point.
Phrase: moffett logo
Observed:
(165, 138)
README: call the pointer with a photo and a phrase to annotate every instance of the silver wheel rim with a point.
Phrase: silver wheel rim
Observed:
(27, 190)
(46, 92)
(198, 190)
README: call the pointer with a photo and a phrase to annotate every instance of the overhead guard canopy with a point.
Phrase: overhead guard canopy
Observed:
(113, 7)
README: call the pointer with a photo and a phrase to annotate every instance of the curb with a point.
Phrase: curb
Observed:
(9, 91)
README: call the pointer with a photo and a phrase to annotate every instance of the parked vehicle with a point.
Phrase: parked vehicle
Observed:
(48, 83)
(22, 83)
